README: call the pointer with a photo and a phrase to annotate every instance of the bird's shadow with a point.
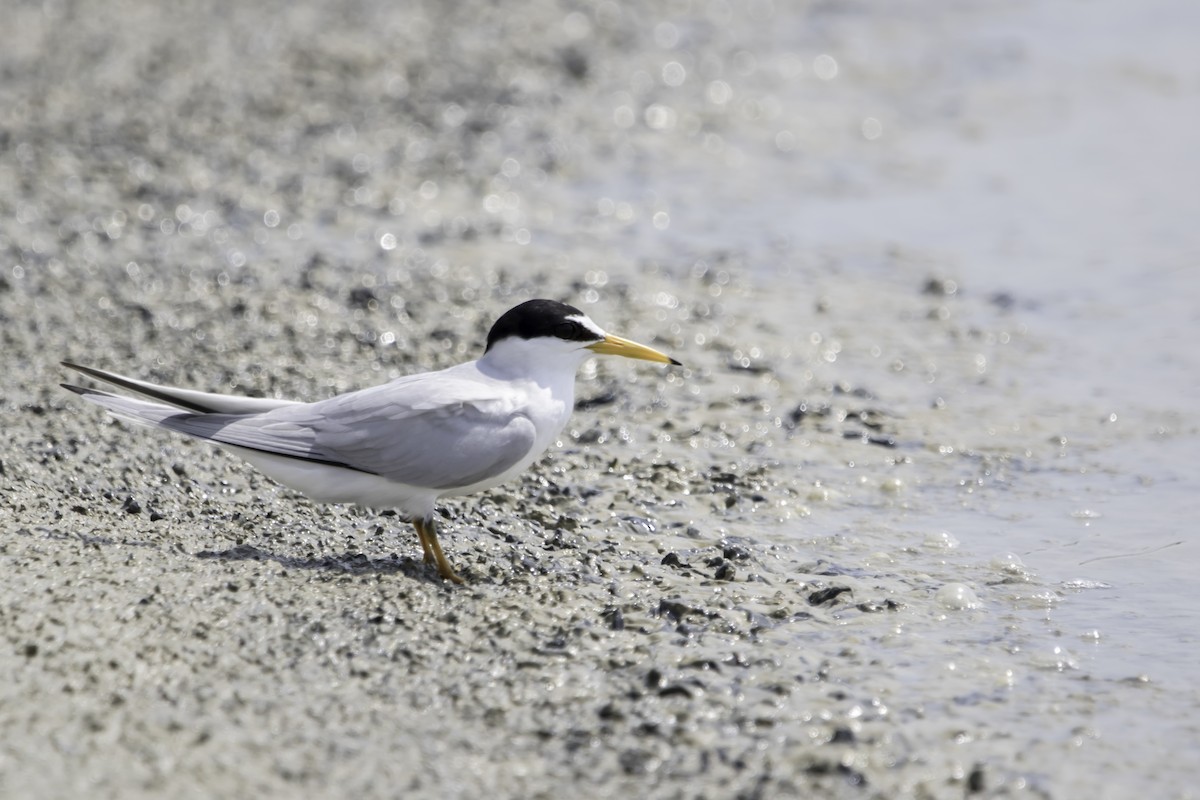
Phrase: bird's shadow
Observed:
(350, 563)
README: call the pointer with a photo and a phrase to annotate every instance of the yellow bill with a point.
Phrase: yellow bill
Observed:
(616, 346)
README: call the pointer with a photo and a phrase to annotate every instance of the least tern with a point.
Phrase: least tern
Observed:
(407, 443)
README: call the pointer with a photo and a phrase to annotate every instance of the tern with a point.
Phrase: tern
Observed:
(407, 443)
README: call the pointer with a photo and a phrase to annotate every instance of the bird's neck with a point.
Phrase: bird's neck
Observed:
(515, 360)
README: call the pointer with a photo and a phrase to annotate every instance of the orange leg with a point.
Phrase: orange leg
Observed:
(429, 541)
(424, 537)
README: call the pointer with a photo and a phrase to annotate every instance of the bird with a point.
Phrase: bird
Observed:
(407, 443)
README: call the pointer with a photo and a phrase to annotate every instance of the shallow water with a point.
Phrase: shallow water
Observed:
(1040, 159)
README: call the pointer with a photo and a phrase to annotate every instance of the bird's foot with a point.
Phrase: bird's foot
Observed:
(447, 573)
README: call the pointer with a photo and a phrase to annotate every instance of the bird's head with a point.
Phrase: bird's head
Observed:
(553, 332)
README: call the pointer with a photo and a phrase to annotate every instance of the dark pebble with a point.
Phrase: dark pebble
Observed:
(1002, 300)
(575, 63)
(673, 609)
(605, 398)
(940, 287)
(615, 619)
(733, 552)
(362, 297)
(842, 735)
(853, 391)
(609, 711)
(635, 762)
(823, 596)
(975, 780)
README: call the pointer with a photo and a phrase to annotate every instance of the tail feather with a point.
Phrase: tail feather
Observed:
(198, 402)
(218, 428)
(142, 412)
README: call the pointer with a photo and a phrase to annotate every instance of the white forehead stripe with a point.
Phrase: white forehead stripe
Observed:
(585, 321)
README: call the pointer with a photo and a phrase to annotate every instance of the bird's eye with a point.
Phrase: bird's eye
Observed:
(567, 330)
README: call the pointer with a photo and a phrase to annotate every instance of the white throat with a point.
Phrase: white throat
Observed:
(545, 361)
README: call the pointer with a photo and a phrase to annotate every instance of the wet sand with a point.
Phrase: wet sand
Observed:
(735, 579)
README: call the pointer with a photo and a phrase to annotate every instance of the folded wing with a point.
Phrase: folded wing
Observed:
(440, 435)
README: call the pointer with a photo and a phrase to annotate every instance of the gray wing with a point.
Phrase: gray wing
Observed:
(396, 431)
